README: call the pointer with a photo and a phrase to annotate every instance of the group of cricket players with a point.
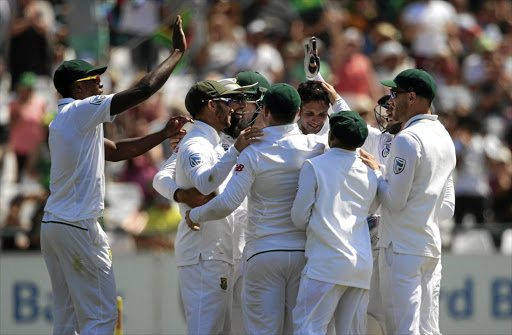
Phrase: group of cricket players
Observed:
(298, 217)
(280, 191)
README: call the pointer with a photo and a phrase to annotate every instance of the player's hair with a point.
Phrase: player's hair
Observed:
(283, 117)
(312, 90)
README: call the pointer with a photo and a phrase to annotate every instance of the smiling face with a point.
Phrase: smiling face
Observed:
(222, 114)
(313, 115)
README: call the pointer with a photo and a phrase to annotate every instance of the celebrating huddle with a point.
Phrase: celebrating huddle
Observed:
(280, 231)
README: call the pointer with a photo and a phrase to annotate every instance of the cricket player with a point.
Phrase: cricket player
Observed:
(332, 209)
(253, 85)
(267, 173)
(413, 196)
(205, 259)
(318, 98)
(74, 246)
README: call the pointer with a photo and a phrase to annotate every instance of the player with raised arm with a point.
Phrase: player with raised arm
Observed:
(74, 246)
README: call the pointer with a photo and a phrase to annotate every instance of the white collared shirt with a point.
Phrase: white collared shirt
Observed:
(267, 173)
(202, 163)
(336, 191)
(422, 161)
(77, 151)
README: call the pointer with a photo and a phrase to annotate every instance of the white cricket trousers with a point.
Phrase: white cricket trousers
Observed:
(237, 321)
(321, 304)
(410, 288)
(77, 256)
(207, 293)
(271, 284)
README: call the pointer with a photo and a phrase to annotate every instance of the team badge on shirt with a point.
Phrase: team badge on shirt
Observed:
(225, 146)
(195, 160)
(97, 99)
(223, 283)
(387, 149)
(399, 165)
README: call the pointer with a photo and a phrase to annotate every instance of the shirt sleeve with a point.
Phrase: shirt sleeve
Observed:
(306, 196)
(233, 195)
(405, 155)
(92, 111)
(448, 205)
(199, 166)
(371, 144)
(339, 104)
(164, 181)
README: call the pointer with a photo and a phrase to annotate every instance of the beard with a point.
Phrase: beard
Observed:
(237, 125)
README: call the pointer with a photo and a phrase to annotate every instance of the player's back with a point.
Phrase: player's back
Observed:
(276, 162)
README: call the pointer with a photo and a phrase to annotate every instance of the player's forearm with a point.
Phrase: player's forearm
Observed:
(133, 147)
(147, 86)
(208, 179)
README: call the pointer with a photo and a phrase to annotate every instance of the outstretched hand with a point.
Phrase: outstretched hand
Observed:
(191, 224)
(174, 125)
(178, 36)
(331, 92)
(248, 136)
(369, 160)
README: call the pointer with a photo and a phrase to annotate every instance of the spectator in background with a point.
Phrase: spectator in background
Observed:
(391, 59)
(353, 71)
(26, 133)
(472, 189)
(30, 39)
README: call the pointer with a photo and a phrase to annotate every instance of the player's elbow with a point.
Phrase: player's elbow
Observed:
(160, 185)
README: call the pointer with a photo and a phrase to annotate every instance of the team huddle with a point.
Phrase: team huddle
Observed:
(298, 217)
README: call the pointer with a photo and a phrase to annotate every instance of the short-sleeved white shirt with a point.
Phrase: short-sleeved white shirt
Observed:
(77, 151)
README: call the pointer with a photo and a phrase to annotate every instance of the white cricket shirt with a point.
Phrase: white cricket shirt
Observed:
(422, 161)
(267, 173)
(336, 191)
(77, 151)
(202, 163)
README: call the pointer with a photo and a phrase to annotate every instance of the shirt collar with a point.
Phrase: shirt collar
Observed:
(207, 131)
(278, 131)
(420, 117)
(64, 101)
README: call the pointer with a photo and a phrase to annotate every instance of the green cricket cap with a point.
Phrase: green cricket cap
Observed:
(245, 78)
(349, 128)
(202, 91)
(282, 98)
(72, 70)
(414, 80)
(27, 79)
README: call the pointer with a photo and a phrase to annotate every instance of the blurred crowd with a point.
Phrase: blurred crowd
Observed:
(465, 44)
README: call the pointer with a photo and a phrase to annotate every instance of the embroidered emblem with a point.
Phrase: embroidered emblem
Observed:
(177, 149)
(225, 146)
(387, 149)
(223, 283)
(97, 99)
(399, 165)
(195, 160)
(239, 167)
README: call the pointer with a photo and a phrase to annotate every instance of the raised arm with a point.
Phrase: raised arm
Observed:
(132, 147)
(154, 80)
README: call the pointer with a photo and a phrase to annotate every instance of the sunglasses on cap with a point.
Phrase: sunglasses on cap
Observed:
(393, 94)
(96, 78)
